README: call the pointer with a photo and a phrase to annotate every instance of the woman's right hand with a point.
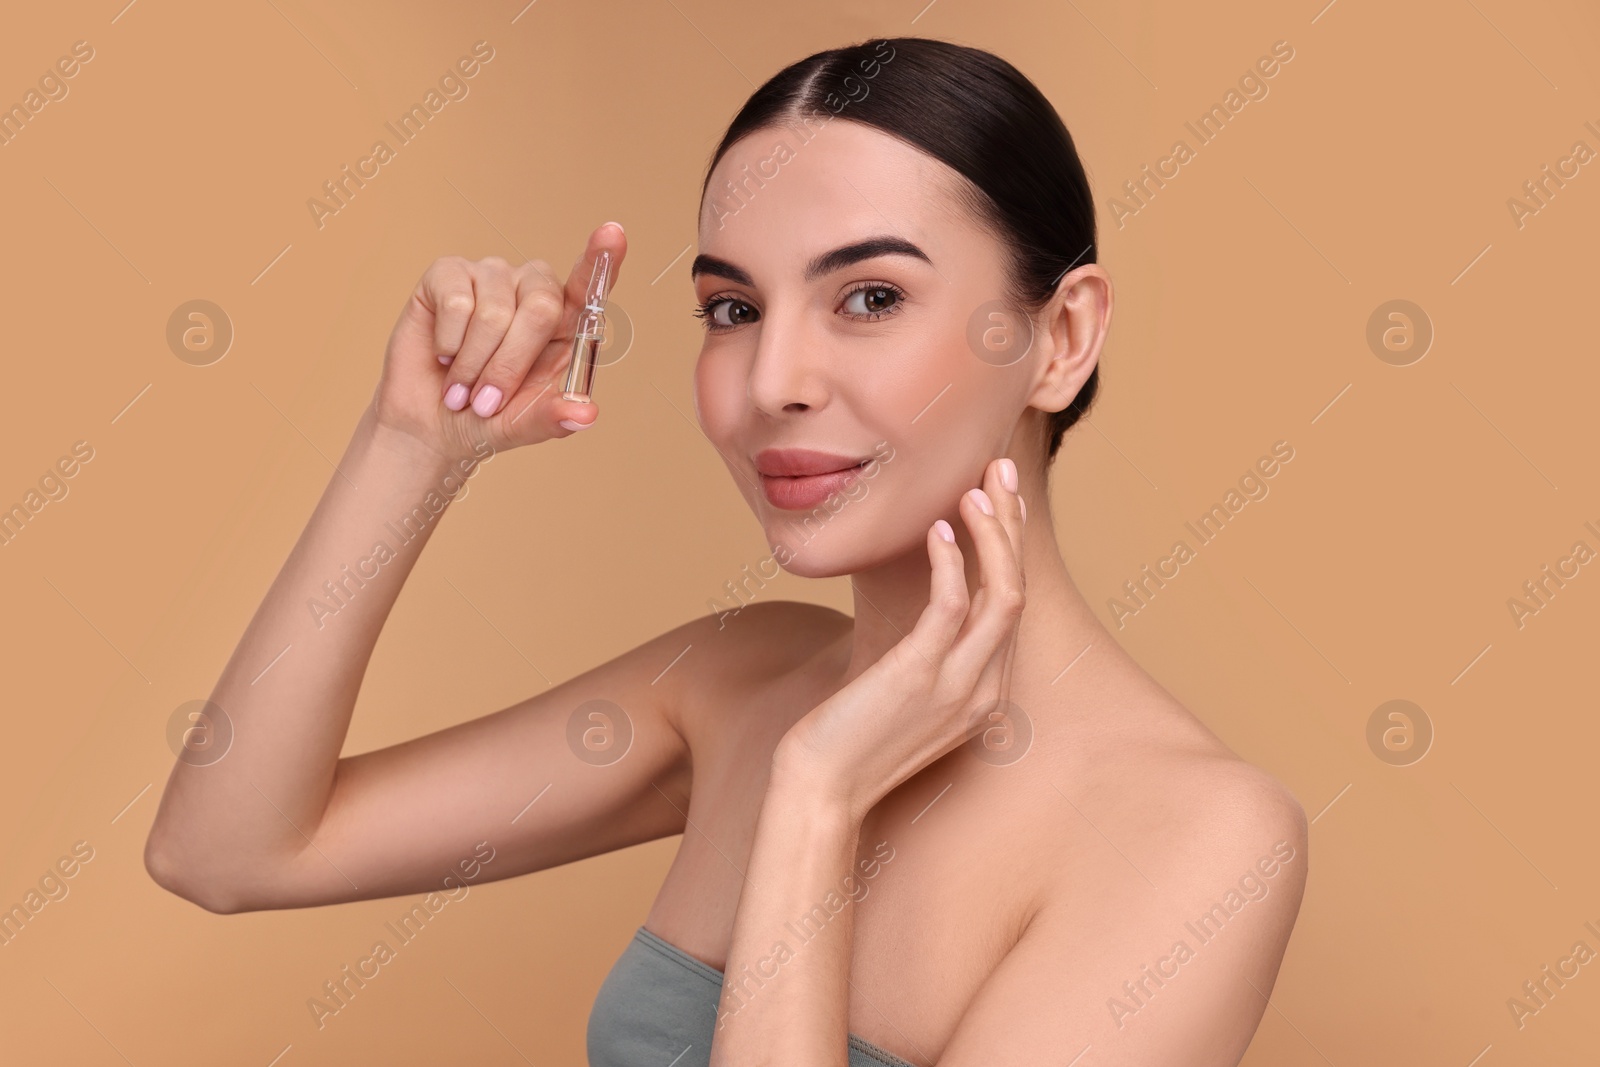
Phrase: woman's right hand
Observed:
(507, 335)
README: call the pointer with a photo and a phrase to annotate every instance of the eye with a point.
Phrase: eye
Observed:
(873, 300)
(870, 302)
(726, 312)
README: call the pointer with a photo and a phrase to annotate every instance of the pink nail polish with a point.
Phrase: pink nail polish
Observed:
(1023, 504)
(1008, 474)
(455, 397)
(487, 400)
(981, 498)
(568, 424)
(943, 529)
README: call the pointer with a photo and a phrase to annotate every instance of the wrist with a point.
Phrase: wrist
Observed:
(799, 781)
(412, 451)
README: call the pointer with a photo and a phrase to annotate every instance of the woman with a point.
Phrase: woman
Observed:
(959, 827)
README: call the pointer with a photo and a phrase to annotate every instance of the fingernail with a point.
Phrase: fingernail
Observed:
(1008, 474)
(487, 400)
(980, 498)
(942, 528)
(618, 225)
(568, 424)
(446, 360)
(455, 397)
(1023, 504)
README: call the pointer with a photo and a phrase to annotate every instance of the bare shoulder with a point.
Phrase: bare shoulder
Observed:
(1192, 816)
(1236, 818)
(1222, 796)
(1173, 856)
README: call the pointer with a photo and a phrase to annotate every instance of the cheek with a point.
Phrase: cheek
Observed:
(942, 405)
(718, 395)
(719, 401)
(912, 378)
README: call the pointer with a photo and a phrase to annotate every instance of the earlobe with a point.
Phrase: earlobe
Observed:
(1057, 384)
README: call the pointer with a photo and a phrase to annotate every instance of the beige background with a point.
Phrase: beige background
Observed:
(1378, 168)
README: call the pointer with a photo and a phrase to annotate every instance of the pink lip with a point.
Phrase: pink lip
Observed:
(798, 478)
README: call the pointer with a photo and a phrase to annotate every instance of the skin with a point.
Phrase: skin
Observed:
(794, 747)
(800, 369)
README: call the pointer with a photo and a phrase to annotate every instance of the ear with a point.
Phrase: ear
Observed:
(1068, 335)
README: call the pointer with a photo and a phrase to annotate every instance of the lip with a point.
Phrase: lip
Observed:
(794, 479)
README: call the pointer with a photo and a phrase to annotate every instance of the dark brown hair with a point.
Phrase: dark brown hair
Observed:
(977, 114)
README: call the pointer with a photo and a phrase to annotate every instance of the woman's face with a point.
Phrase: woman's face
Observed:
(864, 357)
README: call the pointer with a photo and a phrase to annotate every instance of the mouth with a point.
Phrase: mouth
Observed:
(796, 479)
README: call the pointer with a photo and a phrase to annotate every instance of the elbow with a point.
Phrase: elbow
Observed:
(169, 870)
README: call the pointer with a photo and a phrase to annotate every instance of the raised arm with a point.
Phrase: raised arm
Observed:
(280, 820)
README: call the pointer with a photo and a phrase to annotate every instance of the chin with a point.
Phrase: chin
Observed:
(806, 549)
(814, 564)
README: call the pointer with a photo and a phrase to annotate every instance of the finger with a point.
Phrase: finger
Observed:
(948, 599)
(537, 411)
(538, 314)
(1000, 482)
(446, 291)
(494, 304)
(1011, 659)
(1010, 509)
(993, 687)
(999, 600)
(606, 238)
(1000, 485)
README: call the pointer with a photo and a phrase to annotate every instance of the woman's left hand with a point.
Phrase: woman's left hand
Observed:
(927, 693)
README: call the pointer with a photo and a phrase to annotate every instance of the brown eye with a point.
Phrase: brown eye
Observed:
(726, 312)
(872, 300)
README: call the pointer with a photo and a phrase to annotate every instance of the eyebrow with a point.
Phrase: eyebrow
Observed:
(826, 263)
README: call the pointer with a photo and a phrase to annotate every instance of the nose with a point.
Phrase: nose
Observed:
(787, 372)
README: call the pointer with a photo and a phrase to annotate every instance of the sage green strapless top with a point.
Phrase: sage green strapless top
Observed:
(658, 1008)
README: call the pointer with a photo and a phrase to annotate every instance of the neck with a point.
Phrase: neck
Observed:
(1056, 624)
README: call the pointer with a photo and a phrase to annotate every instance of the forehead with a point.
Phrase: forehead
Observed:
(795, 192)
